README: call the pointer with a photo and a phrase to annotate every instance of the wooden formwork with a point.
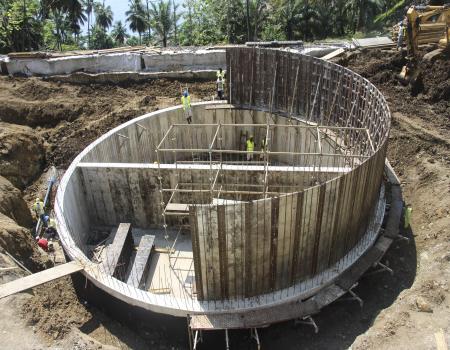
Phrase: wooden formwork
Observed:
(251, 248)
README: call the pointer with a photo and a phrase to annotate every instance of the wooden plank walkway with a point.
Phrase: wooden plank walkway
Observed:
(39, 278)
(141, 263)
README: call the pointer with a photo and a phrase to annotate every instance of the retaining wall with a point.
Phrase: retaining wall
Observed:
(119, 62)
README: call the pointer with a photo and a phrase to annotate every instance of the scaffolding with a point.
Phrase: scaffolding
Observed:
(212, 165)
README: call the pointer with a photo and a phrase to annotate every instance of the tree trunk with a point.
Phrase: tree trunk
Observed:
(248, 19)
(148, 22)
(89, 30)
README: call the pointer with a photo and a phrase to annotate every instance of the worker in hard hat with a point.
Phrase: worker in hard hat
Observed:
(220, 87)
(263, 148)
(38, 208)
(250, 147)
(50, 227)
(186, 102)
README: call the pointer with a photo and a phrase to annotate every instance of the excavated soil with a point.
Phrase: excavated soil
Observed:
(402, 311)
(69, 117)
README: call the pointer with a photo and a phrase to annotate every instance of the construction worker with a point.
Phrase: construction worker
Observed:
(50, 227)
(221, 74)
(250, 148)
(407, 216)
(186, 102)
(38, 208)
(401, 33)
(220, 86)
(263, 148)
(42, 242)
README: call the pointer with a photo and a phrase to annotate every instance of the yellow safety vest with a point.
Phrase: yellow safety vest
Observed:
(220, 75)
(51, 223)
(186, 102)
(250, 146)
(38, 208)
(263, 145)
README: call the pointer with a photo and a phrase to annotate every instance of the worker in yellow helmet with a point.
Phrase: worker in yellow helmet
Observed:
(186, 102)
(250, 148)
(38, 208)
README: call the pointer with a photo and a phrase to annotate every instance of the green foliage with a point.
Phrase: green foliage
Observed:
(119, 33)
(383, 17)
(104, 15)
(57, 24)
(22, 29)
(100, 39)
(137, 18)
(133, 41)
(162, 20)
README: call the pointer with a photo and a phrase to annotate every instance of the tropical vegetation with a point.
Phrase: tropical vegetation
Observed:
(27, 25)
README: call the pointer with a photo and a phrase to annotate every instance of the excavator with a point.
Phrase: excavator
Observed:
(422, 25)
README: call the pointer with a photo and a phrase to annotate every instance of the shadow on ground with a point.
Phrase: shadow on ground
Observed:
(341, 322)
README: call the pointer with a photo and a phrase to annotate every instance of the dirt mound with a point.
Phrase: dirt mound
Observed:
(54, 309)
(35, 90)
(428, 100)
(19, 242)
(436, 79)
(22, 154)
(13, 205)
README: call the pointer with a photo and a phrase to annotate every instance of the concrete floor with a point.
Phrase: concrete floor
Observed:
(169, 274)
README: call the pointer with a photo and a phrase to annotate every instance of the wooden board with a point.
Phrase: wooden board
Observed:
(178, 207)
(39, 278)
(333, 54)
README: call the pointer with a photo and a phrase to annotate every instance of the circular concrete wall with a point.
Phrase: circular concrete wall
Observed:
(247, 253)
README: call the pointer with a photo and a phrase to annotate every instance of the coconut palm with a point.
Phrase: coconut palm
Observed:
(104, 16)
(162, 19)
(119, 33)
(89, 8)
(136, 16)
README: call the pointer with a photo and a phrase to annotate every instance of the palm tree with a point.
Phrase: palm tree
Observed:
(88, 8)
(307, 20)
(362, 12)
(119, 33)
(175, 19)
(162, 19)
(104, 16)
(257, 15)
(136, 18)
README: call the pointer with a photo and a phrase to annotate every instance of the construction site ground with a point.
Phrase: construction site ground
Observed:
(48, 123)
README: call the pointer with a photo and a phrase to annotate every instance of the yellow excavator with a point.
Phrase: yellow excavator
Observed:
(422, 25)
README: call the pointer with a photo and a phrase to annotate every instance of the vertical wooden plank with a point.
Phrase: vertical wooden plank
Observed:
(266, 230)
(193, 223)
(231, 221)
(239, 248)
(213, 245)
(273, 246)
(223, 256)
(206, 275)
(318, 229)
(297, 237)
(249, 250)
